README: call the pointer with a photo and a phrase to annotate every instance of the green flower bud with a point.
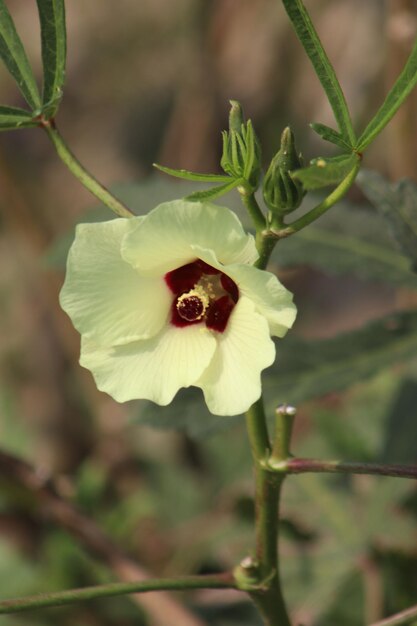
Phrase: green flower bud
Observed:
(236, 118)
(283, 194)
(241, 156)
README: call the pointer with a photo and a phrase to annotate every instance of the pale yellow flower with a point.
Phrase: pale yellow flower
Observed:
(171, 300)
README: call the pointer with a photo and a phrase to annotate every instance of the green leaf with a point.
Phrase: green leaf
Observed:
(250, 150)
(303, 370)
(344, 443)
(14, 118)
(315, 577)
(331, 135)
(312, 45)
(399, 444)
(404, 84)
(187, 412)
(346, 605)
(325, 172)
(387, 496)
(14, 56)
(53, 37)
(309, 369)
(398, 204)
(186, 175)
(215, 192)
(362, 246)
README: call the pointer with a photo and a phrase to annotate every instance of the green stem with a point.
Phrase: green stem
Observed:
(336, 195)
(258, 431)
(303, 466)
(399, 619)
(81, 173)
(70, 596)
(284, 422)
(267, 592)
(264, 245)
(253, 208)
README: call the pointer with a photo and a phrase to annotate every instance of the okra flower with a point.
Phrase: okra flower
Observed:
(171, 300)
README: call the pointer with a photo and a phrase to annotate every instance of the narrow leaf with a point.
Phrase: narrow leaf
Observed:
(308, 369)
(312, 45)
(401, 426)
(14, 118)
(363, 247)
(324, 172)
(14, 57)
(250, 148)
(215, 192)
(53, 38)
(305, 370)
(186, 175)
(398, 204)
(331, 135)
(404, 84)
(238, 150)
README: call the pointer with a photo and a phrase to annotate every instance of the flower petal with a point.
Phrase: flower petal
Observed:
(107, 300)
(163, 241)
(270, 297)
(153, 369)
(232, 381)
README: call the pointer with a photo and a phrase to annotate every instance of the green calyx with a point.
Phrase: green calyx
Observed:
(281, 192)
(241, 149)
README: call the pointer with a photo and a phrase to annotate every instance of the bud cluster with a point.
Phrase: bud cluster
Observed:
(241, 149)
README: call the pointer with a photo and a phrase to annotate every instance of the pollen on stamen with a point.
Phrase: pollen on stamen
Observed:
(191, 306)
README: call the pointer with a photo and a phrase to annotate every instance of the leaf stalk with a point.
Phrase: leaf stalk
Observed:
(79, 171)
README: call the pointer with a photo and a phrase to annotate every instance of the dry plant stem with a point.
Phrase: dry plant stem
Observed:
(70, 596)
(268, 596)
(81, 173)
(302, 466)
(399, 619)
(49, 505)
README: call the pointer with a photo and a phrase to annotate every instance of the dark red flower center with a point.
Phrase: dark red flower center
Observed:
(202, 294)
(191, 307)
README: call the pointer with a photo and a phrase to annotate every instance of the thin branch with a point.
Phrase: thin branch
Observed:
(335, 196)
(71, 596)
(62, 513)
(302, 466)
(399, 619)
(82, 174)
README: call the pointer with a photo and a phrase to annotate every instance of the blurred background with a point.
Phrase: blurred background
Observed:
(150, 81)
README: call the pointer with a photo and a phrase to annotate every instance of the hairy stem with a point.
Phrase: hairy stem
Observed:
(82, 174)
(70, 596)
